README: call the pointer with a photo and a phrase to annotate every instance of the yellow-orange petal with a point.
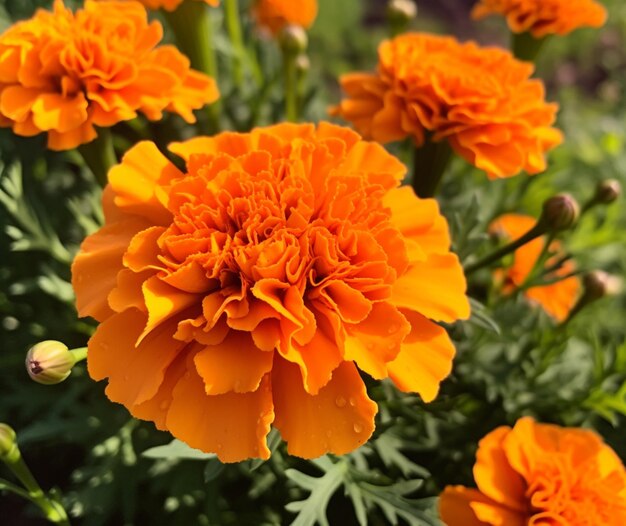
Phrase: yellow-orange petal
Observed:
(235, 365)
(137, 180)
(435, 288)
(425, 358)
(372, 348)
(455, 506)
(113, 354)
(232, 425)
(337, 420)
(95, 268)
(494, 475)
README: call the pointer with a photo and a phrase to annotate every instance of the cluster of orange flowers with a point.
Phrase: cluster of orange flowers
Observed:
(480, 100)
(255, 280)
(249, 288)
(540, 474)
(544, 17)
(557, 298)
(65, 73)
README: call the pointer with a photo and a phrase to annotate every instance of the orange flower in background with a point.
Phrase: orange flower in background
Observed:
(557, 299)
(544, 17)
(172, 5)
(64, 73)
(244, 291)
(540, 475)
(481, 100)
(276, 14)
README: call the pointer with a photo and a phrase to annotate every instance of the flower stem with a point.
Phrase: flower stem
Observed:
(233, 25)
(538, 230)
(79, 354)
(99, 155)
(291, 86)
(193, 28)
(52, 509)
(525, 46)
(429, 164)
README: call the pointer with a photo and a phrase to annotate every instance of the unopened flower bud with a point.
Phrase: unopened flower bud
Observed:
(293, 39)
(560, 213)
(598, 284)
(303, 64)
(401, 11)
(8, 443)
(49, 362)
(608, 191)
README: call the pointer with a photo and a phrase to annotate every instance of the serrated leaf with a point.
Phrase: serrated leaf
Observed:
(177, 450)
(312, 510)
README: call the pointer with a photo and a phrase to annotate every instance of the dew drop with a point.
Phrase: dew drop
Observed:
(340, 401)
(394, 327)
(164, 405)
(358, 428)
(352, 402)
(329, 433)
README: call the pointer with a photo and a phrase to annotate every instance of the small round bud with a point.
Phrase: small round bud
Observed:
(293, 39)
(8, 443)
(303, 64)
(401, 11)
(608, 191)
(49, 362)
(598, 284)
(560, 213)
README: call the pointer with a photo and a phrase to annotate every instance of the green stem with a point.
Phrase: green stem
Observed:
(53, 510)
(538, 230)
(525, 46)
(291, 86)
(79, 354)
(99, 155)
(193, 29)
(13, 488)
(429, 164)
(231, 8)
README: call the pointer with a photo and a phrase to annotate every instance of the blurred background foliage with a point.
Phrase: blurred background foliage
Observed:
(511, 360)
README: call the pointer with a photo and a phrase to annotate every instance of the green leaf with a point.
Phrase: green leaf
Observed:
(177, 450)
(312, 510)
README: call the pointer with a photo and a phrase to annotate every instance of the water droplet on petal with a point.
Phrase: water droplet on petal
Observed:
(340, 401)
(164, 405)
(358, 428)
(352, 402)
(393, 328)
(329, 433)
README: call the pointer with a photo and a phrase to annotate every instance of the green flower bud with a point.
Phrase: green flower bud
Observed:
(608, 191)
(401, 11)
(293, 39)
(8, 443)
(560, 213)
(303, 64)
(49, 362)
(598, 284)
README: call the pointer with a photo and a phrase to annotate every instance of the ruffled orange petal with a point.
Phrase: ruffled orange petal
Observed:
(232, 425)
(455, 506)
(425, 358)
(137, 181)
(113, 354)
(95, 268)
(435, 288)
(235, 365)
(337, 420)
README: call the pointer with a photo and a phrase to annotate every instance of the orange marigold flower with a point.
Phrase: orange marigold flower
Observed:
(276, 14)
(540, 475)
(481, 100)
(544, 17)
(241, 292)
(64, 73)
(558, 298)
(172, 5)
